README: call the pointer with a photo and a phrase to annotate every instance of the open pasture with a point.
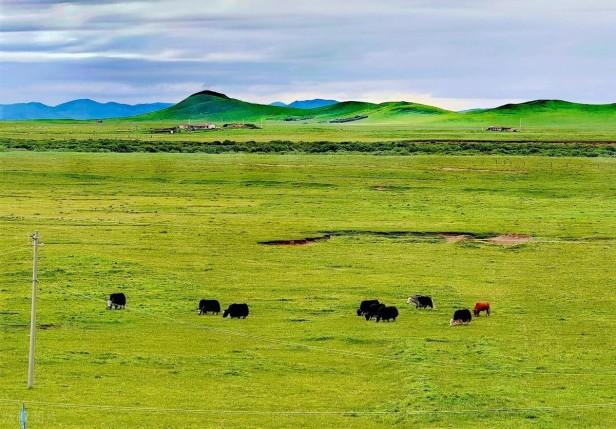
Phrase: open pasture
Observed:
(536, 237)
(51, 133)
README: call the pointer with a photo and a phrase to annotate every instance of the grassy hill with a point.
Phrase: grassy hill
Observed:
(547, 113)
(215, 106)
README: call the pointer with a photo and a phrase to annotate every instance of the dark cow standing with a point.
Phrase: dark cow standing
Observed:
(387, 314)
(236, 311)
(481, 306)
(209, 305)
(373, 310)
(461, 317)
(116, 300)
(365, 305)
(421, 301)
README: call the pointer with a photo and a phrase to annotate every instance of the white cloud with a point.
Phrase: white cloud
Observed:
(452, 53)
(164, 56)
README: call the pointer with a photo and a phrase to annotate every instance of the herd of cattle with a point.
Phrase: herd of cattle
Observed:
(234, 311)
(370, 309)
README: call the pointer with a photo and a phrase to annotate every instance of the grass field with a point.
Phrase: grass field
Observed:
(168, 229)
(417, 128)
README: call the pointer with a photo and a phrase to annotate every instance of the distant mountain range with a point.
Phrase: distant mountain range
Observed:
(76, 109)
(306, 104)
(217, 107)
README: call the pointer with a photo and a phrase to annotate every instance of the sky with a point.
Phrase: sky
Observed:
(455, 54)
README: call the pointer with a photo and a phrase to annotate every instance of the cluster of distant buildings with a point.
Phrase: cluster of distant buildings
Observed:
(497, 128)
(184, 128)
(189, 128)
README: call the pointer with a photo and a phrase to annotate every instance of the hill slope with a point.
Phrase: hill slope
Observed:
(76, 109)
(549, 113)
(215, 106)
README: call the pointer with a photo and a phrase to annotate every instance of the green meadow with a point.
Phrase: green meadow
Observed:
(535, 121)
(169, 229)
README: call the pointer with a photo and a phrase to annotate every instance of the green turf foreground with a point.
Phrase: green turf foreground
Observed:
(168, 229)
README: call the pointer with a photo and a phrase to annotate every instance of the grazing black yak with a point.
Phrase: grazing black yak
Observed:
(116, 300)
(236, 311)
(387, 313)
(364, 305)
(373, 310)
(421, 301)
(462, 317)
(211, 305)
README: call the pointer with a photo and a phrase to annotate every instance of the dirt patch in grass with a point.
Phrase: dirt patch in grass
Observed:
(413, 236)
(454, 238)
(296, 242)
(510, 239)
(450, 236)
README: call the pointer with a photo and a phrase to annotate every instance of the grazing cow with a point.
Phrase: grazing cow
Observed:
(116, 300)
(461, 317)
(365, 305)
(373, 310)
(211, 305)
(236, 311)
(481, 306)
(421, 301)
(387, 313)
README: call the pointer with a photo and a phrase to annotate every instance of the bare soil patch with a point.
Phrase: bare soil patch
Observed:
(454, 238)
(510, 239)
(413, 236)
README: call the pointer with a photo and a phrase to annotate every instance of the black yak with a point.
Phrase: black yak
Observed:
(116, 300)
(462, 317)
(387, 313)
(373, 310)
(236, 311)
(211, 305)
(365, 305)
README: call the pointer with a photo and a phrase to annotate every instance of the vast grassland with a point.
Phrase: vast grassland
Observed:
(415, 128)
(168, 229)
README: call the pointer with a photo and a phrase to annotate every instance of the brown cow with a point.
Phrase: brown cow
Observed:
(481, 306)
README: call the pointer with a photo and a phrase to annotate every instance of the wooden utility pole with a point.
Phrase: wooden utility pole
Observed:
(35, 243)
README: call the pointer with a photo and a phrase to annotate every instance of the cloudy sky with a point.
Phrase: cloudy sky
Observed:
(451, 53)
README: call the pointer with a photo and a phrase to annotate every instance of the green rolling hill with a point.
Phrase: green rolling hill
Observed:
(213, 106)
(217, 107)
(548, 114)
